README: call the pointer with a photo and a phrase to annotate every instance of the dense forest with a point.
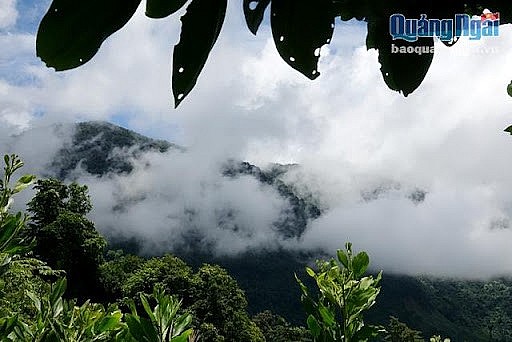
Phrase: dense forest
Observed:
(60, 282)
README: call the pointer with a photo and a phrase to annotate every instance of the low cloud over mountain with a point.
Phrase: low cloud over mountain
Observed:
(170, 198)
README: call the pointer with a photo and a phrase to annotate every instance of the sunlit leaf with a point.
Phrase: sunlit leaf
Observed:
(24, 182)
(310, 272)
(360, 264)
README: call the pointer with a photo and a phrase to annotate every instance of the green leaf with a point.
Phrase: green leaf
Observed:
(8, 231)
(313, 326)
(308, 304)
(109, 322)
(360, 264)
(300, 29)
(58, 290)
(147, 308)
(201, 27)
(327, 315)
(254, 11)
(35, 300)
(23, 183)
(342, 257)
(141, 328)
(71, 32)
(162, 8)
(183, 337)
(310, 272)
(182, 323)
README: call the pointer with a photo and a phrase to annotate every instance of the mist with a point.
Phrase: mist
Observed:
(348, 132)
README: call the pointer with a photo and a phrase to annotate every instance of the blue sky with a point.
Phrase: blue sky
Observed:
(347, 130)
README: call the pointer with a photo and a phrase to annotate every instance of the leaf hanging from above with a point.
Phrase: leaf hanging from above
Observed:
(404, 64)
(448, 10)
(201, 27)
(158, 9)
(254, 11)
(451, 42)
(300, 29)
(71, 32)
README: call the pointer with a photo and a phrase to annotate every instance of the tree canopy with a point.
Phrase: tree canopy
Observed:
(71, 32)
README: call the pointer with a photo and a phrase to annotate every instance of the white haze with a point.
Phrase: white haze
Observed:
(347, 130)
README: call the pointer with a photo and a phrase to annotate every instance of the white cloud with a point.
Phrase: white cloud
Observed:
(172, 201)
(8, 13)
(347, 130)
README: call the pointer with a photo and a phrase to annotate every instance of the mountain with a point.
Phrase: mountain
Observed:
(93, 144)
(463, 310)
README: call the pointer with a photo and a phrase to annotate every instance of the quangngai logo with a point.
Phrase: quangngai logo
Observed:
(476, 27)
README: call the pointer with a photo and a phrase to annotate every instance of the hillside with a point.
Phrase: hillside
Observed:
(463, 310)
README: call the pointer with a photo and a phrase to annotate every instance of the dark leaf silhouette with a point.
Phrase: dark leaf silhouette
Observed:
(300, 29)
(402, 72)
(254, 11)
(71, 32)
(201, 27)
(404, 64)
(162, 8)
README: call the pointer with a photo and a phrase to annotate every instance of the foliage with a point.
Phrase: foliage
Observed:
(481, 307)
(70, 243)
(60, 320)
(169, 272)
(57, 319)
(11, 242)
(211, 294)
(275, 328)
(164, 323)
(218, 300)
(24, 275)
(52, 198)
(344, 296)
(64, 237)
(208, 332)
(399, 332)
(116, 271)
(299, 29)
